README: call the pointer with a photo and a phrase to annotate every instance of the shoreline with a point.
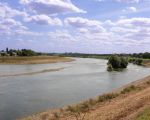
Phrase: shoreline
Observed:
(33, 60)
(53, 112)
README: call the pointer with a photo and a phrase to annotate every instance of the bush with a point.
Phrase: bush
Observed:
(79, 111)
(136, 61)
(115, 62)
(107, 97)
(109, 67)
(128, 89)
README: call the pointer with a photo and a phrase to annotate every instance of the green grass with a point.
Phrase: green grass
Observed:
(145, 115)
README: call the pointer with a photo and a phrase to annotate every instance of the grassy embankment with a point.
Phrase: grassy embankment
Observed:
(126, 103)
(33, 60)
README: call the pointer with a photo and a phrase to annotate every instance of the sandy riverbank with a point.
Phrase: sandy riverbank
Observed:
(34, 60)
(124, 103)
(32, 73)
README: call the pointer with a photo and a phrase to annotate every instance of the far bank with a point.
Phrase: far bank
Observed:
(33, 59)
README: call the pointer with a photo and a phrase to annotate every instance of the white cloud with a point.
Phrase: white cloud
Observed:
(12, 24)
(129, 1)
(27, 33)
(43, 20)
(124, 1)
(81, 22)
(8, 12)
(135, 22)
(130, 9)
(50, 7)
(78, 22)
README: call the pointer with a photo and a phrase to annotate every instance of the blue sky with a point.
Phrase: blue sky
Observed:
(87, 26)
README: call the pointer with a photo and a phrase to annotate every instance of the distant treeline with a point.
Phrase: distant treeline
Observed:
(145, 55)
(22, 52)
(29, 52)
(82, 55)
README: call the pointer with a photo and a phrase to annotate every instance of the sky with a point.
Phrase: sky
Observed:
(83, 26)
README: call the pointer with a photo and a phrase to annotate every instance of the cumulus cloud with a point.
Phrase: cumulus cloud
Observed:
(134, 29)
(130, 9)
(43, 20)
(12, 24)
(50, 7)
(7, 12)
(84, 24)
(135, 22)
(78, 22)
(81, 22)
(129, 1)
(124, 1)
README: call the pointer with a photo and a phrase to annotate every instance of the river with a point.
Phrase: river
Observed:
(25, 94)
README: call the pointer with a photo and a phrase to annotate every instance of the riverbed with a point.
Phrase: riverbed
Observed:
(25, 94)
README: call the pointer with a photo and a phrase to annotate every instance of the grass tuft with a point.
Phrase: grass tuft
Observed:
(107, 97)
(129, 89)
(145, 115)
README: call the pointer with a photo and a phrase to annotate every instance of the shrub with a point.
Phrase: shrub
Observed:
(109, 67)
(91, 102)
(79, 111)
(128, 89)
(115, 63)
(136, 61)
(107, 97)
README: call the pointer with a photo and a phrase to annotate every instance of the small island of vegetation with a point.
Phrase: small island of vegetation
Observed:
(116, 63)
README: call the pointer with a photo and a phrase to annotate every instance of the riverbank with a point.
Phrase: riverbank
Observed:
(146, 63)
(34, 60)
(125, 103)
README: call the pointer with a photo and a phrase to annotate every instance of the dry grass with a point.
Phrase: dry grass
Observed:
(33, 60)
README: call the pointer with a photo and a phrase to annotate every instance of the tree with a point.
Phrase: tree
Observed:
(115, 62)
(124, 62)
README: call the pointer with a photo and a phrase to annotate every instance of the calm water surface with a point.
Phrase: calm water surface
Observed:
(81, 79)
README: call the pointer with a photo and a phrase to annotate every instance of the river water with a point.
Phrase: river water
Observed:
(84, 78)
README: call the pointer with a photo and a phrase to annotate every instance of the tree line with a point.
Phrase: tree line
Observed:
(22, 52)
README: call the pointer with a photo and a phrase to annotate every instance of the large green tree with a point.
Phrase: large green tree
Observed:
(115, 62)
